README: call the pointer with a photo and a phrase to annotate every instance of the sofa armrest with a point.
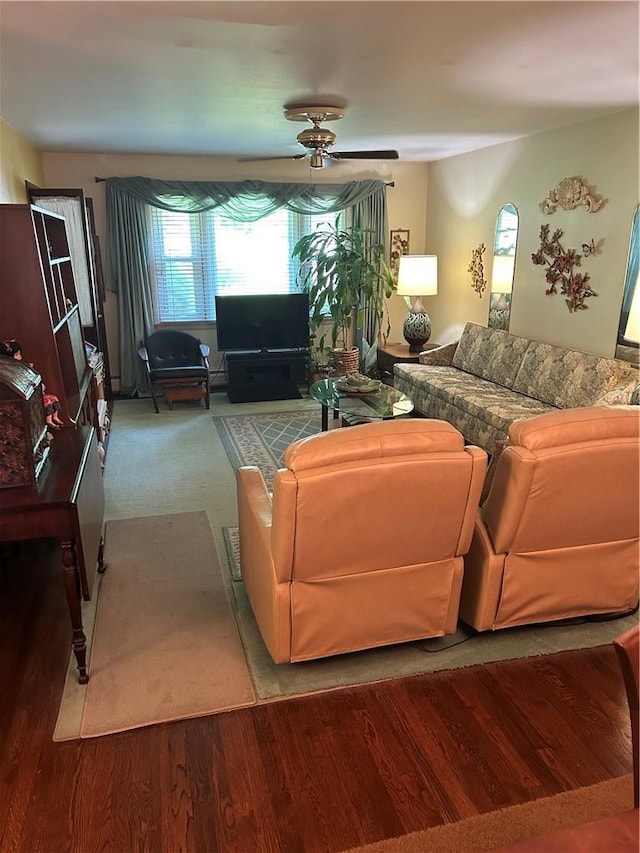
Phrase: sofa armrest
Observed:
(441, 356)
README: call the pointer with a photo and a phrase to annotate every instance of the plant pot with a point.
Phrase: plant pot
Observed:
(345, 361)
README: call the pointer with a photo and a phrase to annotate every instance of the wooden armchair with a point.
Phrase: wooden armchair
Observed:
(177, 363)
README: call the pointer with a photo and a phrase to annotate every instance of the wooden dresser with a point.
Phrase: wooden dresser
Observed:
(66, 504)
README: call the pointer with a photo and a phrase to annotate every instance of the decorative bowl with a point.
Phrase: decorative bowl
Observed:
(364, 386)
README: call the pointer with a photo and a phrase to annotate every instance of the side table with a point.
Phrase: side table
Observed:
(391, 354)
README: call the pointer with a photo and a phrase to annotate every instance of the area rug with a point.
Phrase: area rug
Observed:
(515, 823)
(165, 644)
(464, 648)
(261, 439)
(231, 536)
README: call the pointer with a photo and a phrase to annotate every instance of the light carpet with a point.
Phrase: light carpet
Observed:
(464, 648)
(515, 823)
(165, 644)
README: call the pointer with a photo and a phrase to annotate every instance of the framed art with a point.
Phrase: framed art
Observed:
(399, 246)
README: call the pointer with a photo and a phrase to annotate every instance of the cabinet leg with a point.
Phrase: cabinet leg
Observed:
(72, 587)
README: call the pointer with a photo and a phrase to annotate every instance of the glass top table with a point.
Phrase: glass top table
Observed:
(385, 403)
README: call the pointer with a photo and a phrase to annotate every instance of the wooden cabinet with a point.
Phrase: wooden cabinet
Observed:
(254, 376)
(84, 248)
(39, 306)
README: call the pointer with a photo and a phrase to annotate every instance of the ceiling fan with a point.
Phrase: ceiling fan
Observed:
(318, 140)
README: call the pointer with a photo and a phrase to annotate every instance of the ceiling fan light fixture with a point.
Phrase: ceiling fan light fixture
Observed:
(316, 114)
(318, 141)
(316, 137)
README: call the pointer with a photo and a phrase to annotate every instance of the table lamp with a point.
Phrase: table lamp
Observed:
(417, 277)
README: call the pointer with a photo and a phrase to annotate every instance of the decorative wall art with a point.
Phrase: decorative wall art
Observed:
(562, 267)
(572, 193)
(476, 268)
(592, 248)
(399, 247)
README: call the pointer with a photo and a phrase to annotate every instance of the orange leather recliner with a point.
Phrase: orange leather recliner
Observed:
(363, 541)
(558, 535)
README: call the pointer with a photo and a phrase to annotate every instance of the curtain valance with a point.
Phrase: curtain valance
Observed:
(245, 201)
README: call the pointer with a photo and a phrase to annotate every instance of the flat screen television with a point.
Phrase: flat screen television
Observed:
(262, 322)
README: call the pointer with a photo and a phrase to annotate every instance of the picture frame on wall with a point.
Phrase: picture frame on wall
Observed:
(399, 245)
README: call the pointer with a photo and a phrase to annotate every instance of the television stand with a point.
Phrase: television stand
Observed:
(266, 375)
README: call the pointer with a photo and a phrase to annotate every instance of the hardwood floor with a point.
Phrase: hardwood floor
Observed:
(320, 773)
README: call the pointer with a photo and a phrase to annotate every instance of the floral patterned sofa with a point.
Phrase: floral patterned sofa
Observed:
(490, 378)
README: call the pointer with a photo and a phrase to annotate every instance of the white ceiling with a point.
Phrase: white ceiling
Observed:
(428, 78)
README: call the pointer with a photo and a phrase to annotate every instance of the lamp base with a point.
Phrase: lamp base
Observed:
(417, 330)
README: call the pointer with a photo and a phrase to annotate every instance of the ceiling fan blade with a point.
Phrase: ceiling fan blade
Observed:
(364, 155)
(263, 159)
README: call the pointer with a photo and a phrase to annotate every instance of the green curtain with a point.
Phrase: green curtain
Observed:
(127, 266)
(128, 233)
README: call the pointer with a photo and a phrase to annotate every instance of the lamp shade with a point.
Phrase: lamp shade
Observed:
(418, 275)
(502, 274)
(632, 329)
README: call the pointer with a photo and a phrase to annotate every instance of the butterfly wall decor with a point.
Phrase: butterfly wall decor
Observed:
(592, 248)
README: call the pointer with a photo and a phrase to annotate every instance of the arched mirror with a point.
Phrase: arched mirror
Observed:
(628, 343)
(503, 267)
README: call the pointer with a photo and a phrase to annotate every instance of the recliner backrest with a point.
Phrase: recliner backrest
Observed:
(172, 348)
(374, 496)
(567, 478)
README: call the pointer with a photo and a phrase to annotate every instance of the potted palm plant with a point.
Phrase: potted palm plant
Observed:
(343, 272)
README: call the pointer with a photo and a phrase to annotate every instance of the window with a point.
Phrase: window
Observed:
(196, 256)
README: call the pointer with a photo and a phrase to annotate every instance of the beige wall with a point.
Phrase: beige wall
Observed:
(407, 199)
(466, 193)
(19, 162)
(459, 198)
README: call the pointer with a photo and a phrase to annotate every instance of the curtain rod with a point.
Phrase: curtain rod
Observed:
(102, 181)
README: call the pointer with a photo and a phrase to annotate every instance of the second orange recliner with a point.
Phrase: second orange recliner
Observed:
(558, 536)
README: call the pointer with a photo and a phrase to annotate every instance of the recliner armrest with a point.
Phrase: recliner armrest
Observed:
(253, 496)
(440, 356)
